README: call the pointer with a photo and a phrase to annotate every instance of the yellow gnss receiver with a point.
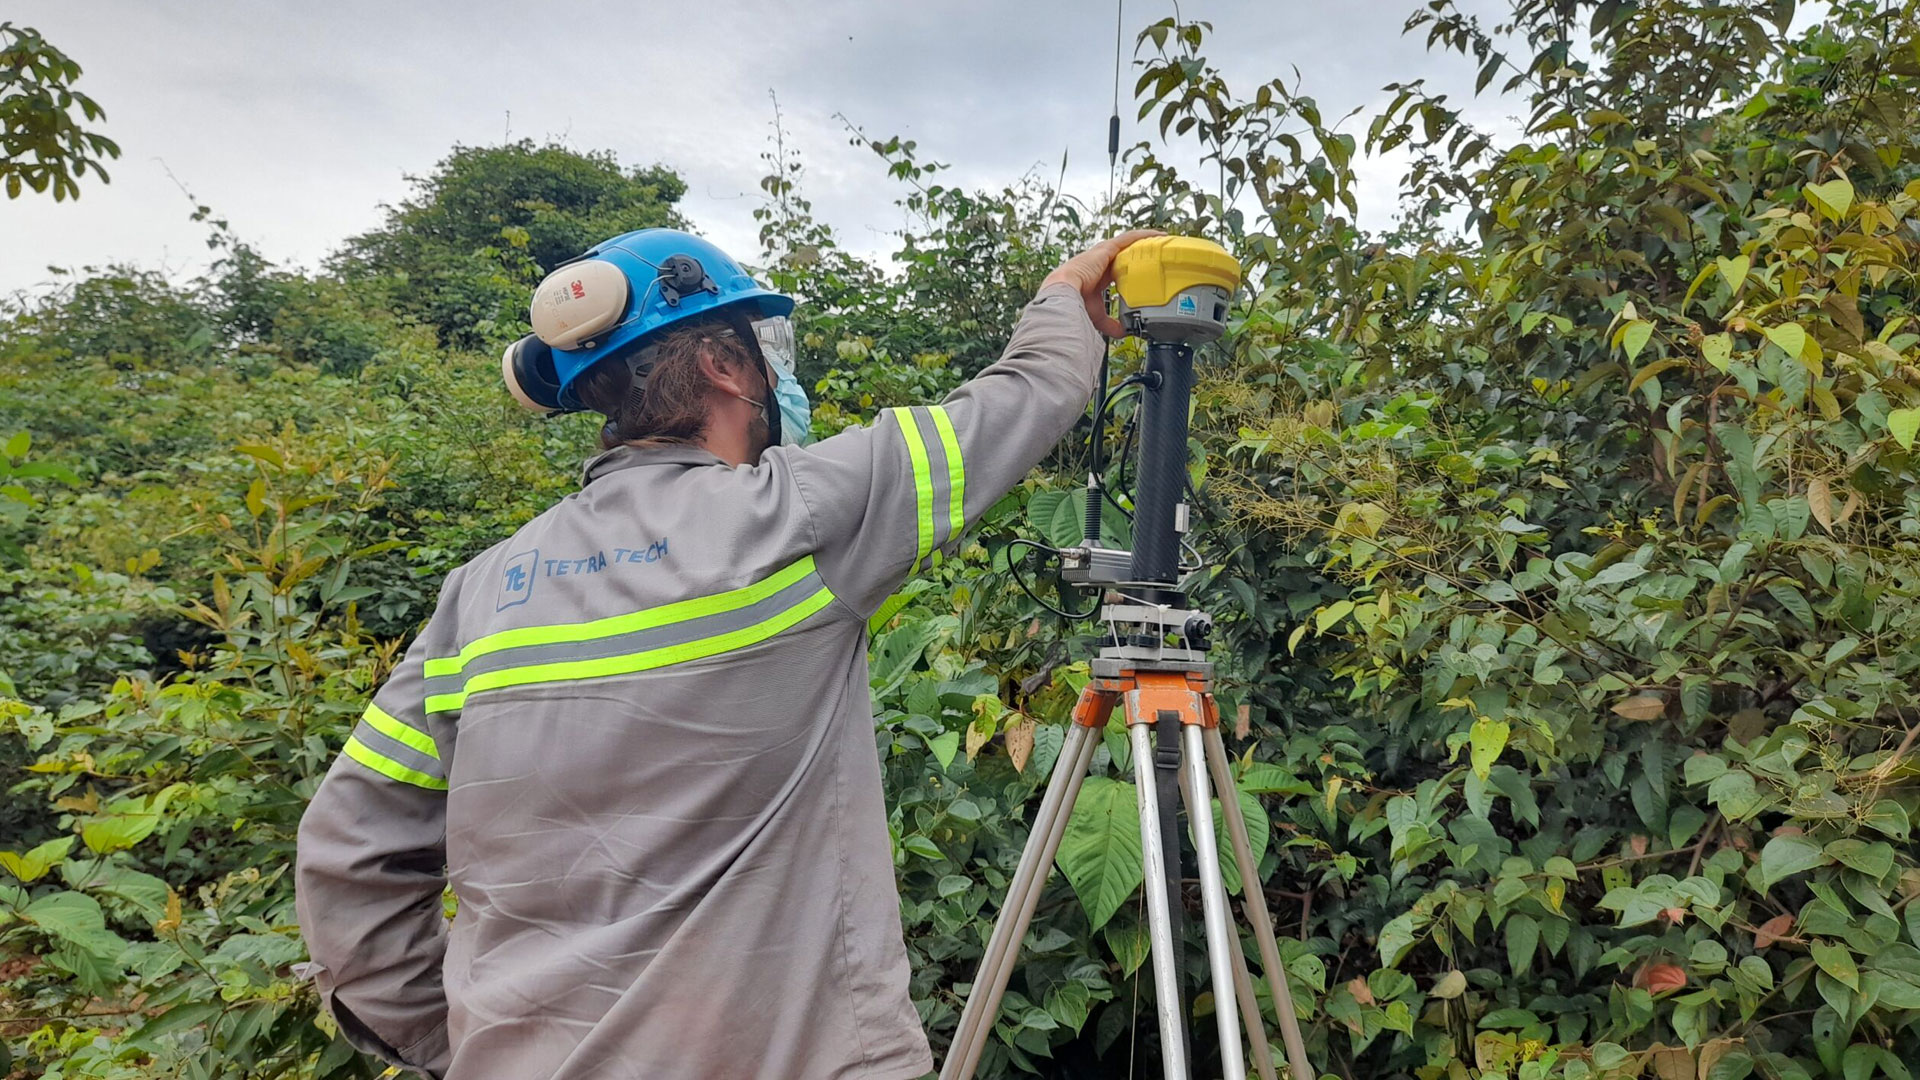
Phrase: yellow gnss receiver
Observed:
(1175, 288)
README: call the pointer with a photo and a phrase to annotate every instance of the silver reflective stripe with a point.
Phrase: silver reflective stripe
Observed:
(804, 595)
(937, 497)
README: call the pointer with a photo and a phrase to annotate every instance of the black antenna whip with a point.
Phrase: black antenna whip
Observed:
(1113, 122)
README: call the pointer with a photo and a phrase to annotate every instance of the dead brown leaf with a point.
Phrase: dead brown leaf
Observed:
(1361, 992)
(1020, 743)
(1772, 930)
(1641, 707)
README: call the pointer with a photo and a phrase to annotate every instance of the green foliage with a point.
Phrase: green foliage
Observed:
(42, 143)
(463, 254)
(1563, 566)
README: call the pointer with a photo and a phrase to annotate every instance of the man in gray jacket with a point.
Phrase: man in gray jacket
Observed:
(636, 738)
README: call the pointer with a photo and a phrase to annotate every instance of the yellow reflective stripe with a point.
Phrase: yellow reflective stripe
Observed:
(922, 479)
(679, 611)
(956, 473)
(386, 766)
(646, 660)
(378, 720)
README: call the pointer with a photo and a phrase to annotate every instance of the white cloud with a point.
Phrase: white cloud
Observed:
(295, 122)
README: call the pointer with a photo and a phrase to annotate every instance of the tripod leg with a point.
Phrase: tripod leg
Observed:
(1221, 938)
(1250, 1012)
(1166, 977)
(1166, 776)
(1242, 983)
(1023, 894)
(1256, 904)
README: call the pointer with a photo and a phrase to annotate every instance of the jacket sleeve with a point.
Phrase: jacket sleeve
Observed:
(895, 497)
(369, 876)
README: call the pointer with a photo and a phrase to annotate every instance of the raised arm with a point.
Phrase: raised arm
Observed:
(897, 496)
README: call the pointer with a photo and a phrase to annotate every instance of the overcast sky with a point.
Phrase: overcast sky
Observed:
(297, 121)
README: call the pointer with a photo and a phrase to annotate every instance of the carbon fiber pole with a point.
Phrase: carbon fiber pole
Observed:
(1162, 471)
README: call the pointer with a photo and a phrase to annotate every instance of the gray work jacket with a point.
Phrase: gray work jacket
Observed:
(637, 740)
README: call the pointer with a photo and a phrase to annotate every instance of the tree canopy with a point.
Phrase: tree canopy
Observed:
(463, 253)
(1562, 541)
(43, 146)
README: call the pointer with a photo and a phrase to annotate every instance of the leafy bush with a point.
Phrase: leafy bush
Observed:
(1561, 542)
(465, 252)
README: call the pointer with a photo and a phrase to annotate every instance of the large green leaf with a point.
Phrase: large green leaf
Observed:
(1061, 518)
(1785, 856)
(1836, 961)
(1523, 939)
(1872, 859)
(1904, 424)
(1100, 852)
(66, 914)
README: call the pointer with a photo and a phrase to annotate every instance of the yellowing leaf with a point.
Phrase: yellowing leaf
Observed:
(262, 452)
(1820, 501)
(1641, 707)
(1828, 404)
(1360, 519)
(1686, 487)
(1790, 337)
(1718, 350)
(1486, 738)
(1847, 508)
(35, 863)
(1450, 985)
(1734, 271)
(1634, 337)
(1293, 639)
(170, 919)
(1834, 196)
(1905, 424)
(1652, 370)
(1331, 614)
(978, 733)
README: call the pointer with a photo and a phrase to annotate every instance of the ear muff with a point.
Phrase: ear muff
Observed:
(527, 367)
(578, 302)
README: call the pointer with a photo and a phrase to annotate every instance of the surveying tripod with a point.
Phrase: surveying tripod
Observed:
(1173, 292)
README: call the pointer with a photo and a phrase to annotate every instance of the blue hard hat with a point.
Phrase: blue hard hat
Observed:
(615, 299)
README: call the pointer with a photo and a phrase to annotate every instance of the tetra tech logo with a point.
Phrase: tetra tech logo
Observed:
(516, 581)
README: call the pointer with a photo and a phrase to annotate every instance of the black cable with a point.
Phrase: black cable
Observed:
(1013, 565)
(1108, 399)
(1126, 456)
(1095, 429)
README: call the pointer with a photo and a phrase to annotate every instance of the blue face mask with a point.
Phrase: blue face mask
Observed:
(796, 412)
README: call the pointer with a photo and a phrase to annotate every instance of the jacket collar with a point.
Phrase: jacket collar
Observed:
(631, 457)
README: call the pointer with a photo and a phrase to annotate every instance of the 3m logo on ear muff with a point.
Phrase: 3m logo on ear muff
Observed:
(577, 302)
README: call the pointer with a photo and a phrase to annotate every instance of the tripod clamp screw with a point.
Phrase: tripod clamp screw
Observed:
(1198, 631)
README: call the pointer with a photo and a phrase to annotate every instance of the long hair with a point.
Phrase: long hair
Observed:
(671, 406)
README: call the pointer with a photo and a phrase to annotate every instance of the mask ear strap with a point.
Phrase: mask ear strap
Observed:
(743, 329)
